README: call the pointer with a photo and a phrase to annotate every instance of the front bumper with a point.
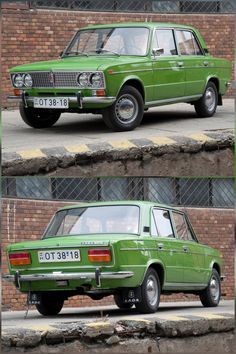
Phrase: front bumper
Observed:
(78, 100)
(17, 278)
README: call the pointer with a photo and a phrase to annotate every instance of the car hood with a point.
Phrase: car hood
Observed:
(92, 62)
(71, 241)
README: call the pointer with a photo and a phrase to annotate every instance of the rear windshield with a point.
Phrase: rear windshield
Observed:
(95, 220)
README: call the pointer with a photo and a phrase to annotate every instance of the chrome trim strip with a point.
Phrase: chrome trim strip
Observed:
(68, 276)
(130, 71)
(61, 246)
(93, 100)
(170, 100)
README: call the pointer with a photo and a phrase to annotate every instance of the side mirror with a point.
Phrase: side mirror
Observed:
(61, 53)
(157, 51)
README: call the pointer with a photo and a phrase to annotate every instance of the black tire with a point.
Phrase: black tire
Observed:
(51, 304)
(150, 293)
(207, 104)
(39, 118)
(118, 117)
(210, 297)
(119, 302)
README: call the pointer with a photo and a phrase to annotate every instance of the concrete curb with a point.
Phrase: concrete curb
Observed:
(81, 157)
(107, 333)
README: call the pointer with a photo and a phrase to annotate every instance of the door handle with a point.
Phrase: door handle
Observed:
(180, 64)
(205, 63)
(185, 248)
(160, 246)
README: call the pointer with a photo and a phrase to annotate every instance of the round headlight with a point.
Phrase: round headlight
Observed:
(96, 80)
(83, 79)
(18, 80)
(28, 80)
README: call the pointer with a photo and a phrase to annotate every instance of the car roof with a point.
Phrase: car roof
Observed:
(120, 202)
(140, 24)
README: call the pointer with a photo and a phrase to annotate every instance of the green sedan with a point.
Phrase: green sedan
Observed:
(121, 70)
(135, 251)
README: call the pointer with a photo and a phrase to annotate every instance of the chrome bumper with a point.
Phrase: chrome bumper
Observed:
(80, 100)
(17, 278)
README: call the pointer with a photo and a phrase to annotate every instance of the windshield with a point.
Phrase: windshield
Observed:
(112, 41)
(95, 220)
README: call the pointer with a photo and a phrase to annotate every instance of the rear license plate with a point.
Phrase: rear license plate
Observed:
(59, 256)
(51, 102)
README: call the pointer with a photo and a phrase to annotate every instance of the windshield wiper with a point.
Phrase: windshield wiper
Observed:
(77, 52)
(102, 50)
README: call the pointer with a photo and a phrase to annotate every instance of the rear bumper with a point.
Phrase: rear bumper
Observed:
(17, 278)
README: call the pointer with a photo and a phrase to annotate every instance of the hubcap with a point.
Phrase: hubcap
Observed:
(152, 290)
(214, 288)
(126, 109)
(210, 98)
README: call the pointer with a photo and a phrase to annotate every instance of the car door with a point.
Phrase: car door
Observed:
(194, 61)
(169, 249)
(168, 71)
(195, 271)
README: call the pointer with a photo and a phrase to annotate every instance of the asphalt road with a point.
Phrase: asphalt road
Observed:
(167, 311)
(90, 129)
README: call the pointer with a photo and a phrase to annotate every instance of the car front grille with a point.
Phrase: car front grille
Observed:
(43, 79)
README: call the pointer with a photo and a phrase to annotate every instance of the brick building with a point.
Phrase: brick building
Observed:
(40, 30)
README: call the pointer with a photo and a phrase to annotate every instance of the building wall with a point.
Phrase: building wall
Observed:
(24, 220)
(34, 35)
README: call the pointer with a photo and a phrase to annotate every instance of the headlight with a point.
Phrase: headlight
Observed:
(96, 80)
(18, 80)
(28, 80)
(83, 79)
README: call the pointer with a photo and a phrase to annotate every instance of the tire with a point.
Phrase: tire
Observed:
(39, 118)
(210, 297)
(51, 304)
(150, 293)
(119, 302)
(207, 104)
(126, 113)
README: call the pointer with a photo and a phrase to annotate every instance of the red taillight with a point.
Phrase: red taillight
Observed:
(19, 258)
(99, 255)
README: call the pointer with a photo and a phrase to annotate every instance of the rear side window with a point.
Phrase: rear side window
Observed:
(187, 43)
(182, 229)
(164, 38)
(161, 225)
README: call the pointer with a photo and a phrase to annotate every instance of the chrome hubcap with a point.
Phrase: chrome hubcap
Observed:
(210, 98)
(214, 288)
(126, 109)
(152, 290)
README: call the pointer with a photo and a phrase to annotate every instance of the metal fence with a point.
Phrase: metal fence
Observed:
(202, 192)
(161, 6)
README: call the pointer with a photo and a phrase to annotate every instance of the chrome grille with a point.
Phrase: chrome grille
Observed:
(62, 79)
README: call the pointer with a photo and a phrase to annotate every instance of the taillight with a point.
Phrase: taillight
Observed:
(99, 255)
(19, 258)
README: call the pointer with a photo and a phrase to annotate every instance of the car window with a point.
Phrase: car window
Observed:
(187, 43)
(164, 38)
(161, 225)
(182, 229)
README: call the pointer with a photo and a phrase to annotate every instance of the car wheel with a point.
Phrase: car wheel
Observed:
(39, 118)
(120, 303)
(210, 297)
(51, 304)
(207, 104)
(150, 293)
(126, 113)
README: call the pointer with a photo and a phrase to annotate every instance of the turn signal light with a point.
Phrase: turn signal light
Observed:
(19, 258)
(17, 92)
(99, 255)
(100, 92)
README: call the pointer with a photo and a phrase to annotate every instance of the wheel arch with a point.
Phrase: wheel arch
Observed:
(216, 266)
(216, 81)
(136, 83)
(159, 268)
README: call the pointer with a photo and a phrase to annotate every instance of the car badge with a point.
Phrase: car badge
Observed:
(51, 78)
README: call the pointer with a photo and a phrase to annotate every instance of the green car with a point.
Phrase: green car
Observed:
(132, 250)
(120, 70)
